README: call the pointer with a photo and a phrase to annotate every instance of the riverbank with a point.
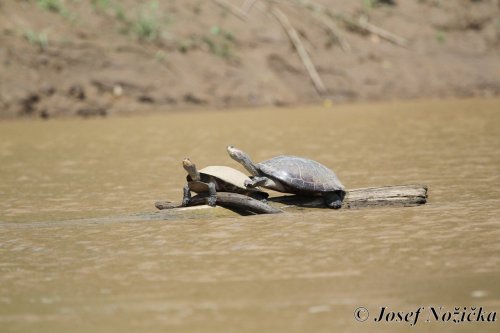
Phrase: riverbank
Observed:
(98, 58)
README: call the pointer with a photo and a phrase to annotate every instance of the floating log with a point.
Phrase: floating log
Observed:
(228, 200)
(398, 195)
(386, 196)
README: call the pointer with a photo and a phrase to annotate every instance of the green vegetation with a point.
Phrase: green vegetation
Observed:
(56, 6)
(147, 25)
(120, 13)
(160, 55)
(146, 22)
(219, 42)
(441, 36)
(185, 45)
(105, 6)
(101, 5)
(435, 3)
(39, 39)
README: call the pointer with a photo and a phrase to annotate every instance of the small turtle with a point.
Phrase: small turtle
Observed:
(292, 174)
(214, 179)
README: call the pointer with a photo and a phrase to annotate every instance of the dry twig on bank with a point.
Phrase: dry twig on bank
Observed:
(387, 35)
(361, 24)
(247, 6)
(233, 9)
(325, 20)
(297, 43)
(334, 30)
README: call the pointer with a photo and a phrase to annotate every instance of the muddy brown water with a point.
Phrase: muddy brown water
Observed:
(82, 250)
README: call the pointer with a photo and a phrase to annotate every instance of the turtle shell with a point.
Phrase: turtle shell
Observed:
(227, 179)
(226, 174)
(301, 174)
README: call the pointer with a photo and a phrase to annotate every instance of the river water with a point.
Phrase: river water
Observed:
(83, 249)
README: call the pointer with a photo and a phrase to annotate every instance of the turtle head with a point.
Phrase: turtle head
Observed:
(241, 157)
(236, 154)
(190, 167)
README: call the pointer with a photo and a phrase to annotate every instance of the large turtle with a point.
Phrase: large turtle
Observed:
(213, 179)
(292, 174)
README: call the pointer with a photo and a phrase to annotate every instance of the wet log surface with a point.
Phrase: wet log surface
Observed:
(227, 200)
(396, 196)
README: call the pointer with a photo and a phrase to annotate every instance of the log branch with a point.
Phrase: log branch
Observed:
(227, 200)
(399, 195)
(386, 196)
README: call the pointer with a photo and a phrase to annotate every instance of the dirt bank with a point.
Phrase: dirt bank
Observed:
(103, 57)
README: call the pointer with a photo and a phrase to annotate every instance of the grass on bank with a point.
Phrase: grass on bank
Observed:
(38, 39)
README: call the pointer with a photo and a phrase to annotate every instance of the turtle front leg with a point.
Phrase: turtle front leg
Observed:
(186, 198)
(334, 199)
(256, 181)
(212, 195)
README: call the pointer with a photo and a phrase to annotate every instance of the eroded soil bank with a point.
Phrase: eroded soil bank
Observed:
(96, 58)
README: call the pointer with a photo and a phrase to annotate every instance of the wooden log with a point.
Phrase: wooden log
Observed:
(386, 196)
(228, 200)
(399, 195)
